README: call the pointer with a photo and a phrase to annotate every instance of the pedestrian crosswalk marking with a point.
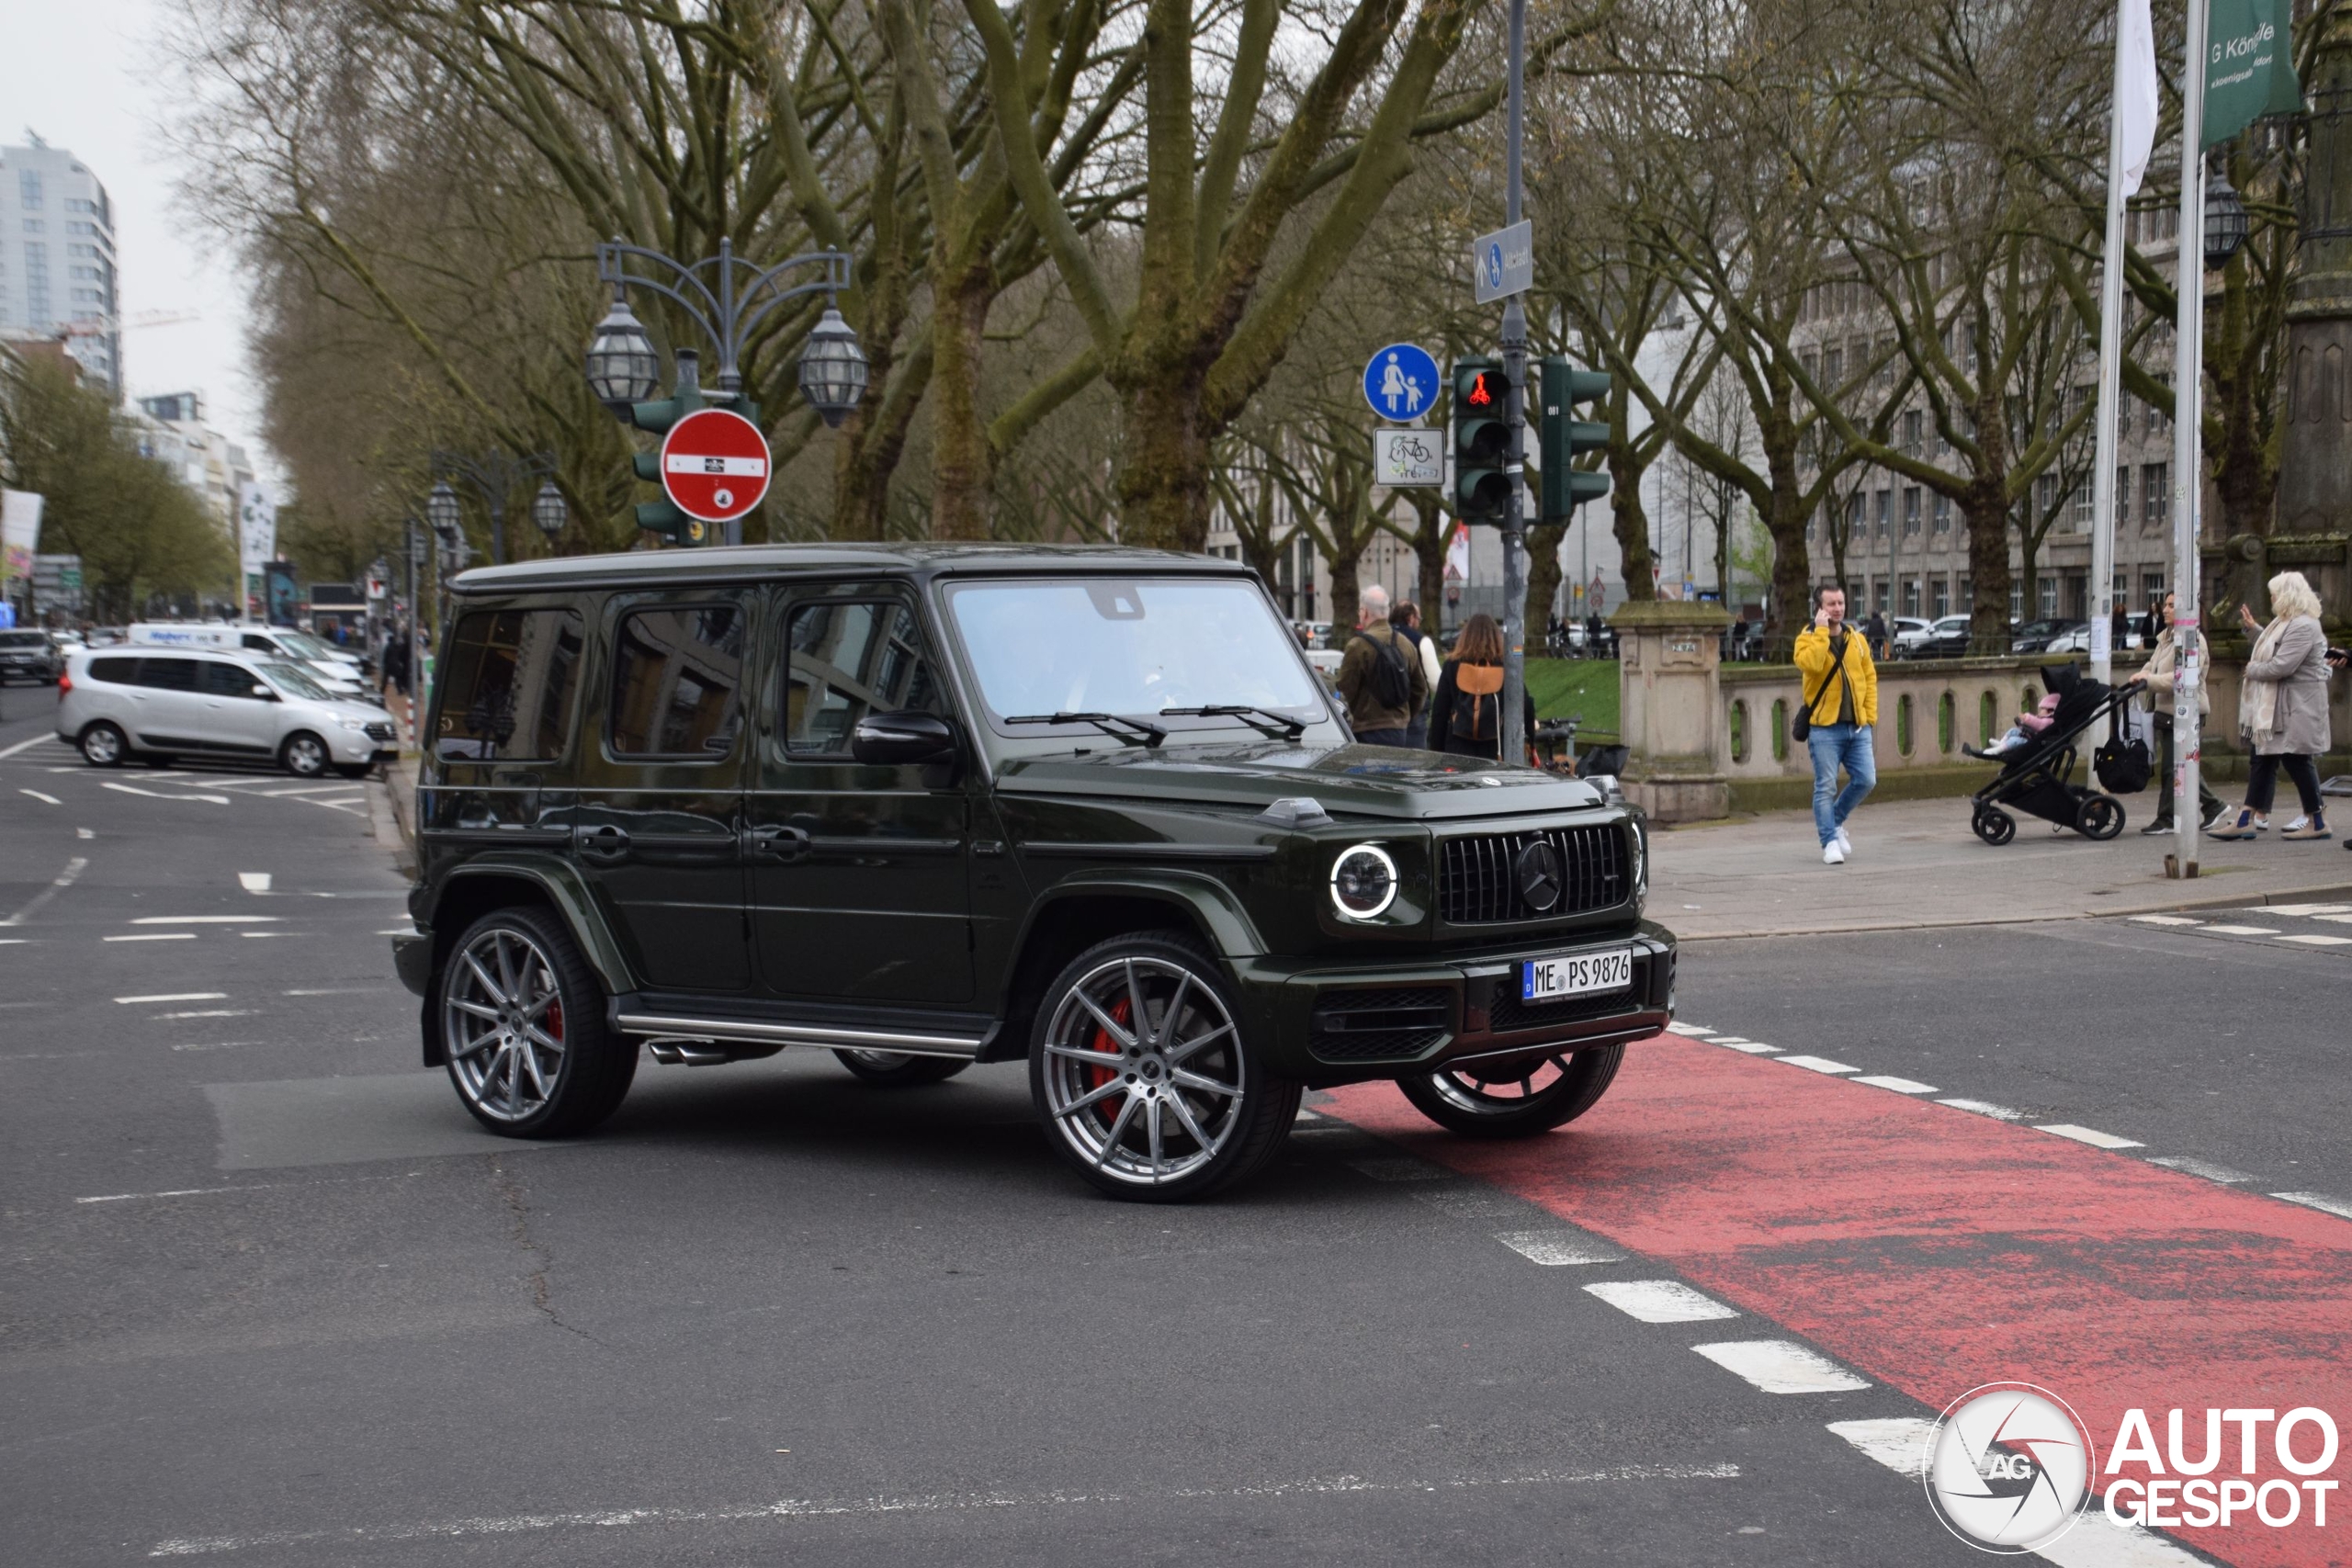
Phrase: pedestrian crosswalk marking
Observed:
(2090, 1136)
(2319, 941)
(1900, 1086)
(1783, 1366)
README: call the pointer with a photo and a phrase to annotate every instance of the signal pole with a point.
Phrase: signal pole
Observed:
(1514, 738)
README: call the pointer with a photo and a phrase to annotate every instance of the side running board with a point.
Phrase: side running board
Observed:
(666, 1027)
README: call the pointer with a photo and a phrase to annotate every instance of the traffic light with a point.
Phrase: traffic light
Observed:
(663, 516)
(1561, 436)
(1481, 441)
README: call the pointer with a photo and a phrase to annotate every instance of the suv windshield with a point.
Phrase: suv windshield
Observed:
(309, 646)
(1140, 647)
(294, 680)
(23, 639)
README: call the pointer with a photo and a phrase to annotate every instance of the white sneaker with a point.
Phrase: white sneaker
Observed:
(1833, 853)
(2261, 824)
(1845, 844)
(2298, 825)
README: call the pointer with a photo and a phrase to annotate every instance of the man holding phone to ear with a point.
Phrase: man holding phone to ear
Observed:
(1841, 706)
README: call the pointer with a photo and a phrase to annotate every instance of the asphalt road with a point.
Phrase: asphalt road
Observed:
(271, 1298)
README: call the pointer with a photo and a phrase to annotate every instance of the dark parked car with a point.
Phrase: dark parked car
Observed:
(944, 805)
(30, 655)
(2035, 636)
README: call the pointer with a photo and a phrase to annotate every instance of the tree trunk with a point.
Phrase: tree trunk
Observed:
(1432, 532)
(1985, 509)
(961, 470)
(1163, 482)
(1542, 582)
(1631, 523)
(1792, 566)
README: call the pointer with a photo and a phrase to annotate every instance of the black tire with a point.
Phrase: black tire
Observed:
(1995, 825)
(304, 755)
(2101, 816)
(1464, 1099)
(1195, 1075)
(895, 1069)
(103, 744)
(487, 1067)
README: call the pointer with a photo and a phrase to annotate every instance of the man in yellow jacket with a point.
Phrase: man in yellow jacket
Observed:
(1841, 693)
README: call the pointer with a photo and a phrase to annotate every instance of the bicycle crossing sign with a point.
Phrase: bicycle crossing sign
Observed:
(1400, 382)
(1406, 458)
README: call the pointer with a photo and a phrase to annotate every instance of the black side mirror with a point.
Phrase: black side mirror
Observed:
(902, 739)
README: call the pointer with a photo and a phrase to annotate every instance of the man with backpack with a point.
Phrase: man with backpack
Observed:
(1380, 677)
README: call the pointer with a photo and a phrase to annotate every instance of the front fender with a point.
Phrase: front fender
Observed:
(494, 881)
(1211, 904)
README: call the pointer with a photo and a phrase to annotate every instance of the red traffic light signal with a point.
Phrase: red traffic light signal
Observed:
(1480, 393)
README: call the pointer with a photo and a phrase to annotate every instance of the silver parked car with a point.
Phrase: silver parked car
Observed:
(153, 705)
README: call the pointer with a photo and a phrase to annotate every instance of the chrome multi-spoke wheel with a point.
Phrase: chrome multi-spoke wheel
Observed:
(523, 1030)
(1516, 1096)
(1141, 1072)
(503, 1019)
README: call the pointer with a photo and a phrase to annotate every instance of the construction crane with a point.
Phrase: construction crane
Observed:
(100, 326)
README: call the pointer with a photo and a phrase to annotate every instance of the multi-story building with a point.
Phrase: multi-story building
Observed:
(1906, 546)
(173, 431)
(57, 258)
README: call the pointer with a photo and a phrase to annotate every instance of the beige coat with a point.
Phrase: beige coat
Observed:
(2283, 703)
(2161, 672)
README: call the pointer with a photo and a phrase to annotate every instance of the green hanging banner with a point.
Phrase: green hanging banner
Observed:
(2249, 65)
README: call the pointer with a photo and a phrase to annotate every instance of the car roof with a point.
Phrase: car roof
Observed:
(911, 557)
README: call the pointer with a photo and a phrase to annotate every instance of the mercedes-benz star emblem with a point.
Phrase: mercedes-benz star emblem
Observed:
(1538, 875)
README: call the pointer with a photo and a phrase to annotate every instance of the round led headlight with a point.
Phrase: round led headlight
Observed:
(1363, 882)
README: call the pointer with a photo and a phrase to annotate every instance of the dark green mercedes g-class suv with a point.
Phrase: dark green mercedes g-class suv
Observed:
(935, 805)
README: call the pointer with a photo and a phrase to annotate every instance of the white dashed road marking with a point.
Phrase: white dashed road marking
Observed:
(155, 936)
(2315, 940)
(1690, 1028)
(2243, 930)
(2206, 1168)
(58, 883)
(1819, 1064)
(2167, 920)
(216, 1012)
(158, 795)
(2316, 911)
(379, 991)
(1900, 1086)
(1660, 1300)
(1555, 1247)
(1749, 1047)
(175, 997)
(1898, 1442)
(254, 881)
(37, 794)
(2320, 1201)
(1985, 1108)
(29, 745)
(2090, 1136)
(1781, 1366)
(205, 920)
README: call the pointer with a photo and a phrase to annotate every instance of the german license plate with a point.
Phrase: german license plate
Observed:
(1575, 974)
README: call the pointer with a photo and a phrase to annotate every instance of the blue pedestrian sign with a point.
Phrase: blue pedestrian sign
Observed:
(1400, 383)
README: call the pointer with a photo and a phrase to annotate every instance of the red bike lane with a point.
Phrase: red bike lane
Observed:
(1935, 1250)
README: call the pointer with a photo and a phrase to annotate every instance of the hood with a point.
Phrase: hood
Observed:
(1366, 781)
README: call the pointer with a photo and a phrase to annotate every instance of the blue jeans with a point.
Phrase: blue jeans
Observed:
(1834, 746)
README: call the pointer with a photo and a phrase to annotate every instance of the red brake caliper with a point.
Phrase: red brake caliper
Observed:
(555, 1020)
(1097, 1076)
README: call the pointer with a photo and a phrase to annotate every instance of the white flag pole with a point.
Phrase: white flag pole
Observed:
(2110, 375)
(2187, 447)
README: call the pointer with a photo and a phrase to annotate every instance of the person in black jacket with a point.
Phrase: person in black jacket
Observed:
(1466, 717)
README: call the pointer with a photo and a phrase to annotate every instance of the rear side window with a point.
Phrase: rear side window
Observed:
(168, 674)
(120, 671)
(225, 679)
(507, 694)
(678, 682)
(847, 660)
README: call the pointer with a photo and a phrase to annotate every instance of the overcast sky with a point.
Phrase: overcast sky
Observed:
(80, 73)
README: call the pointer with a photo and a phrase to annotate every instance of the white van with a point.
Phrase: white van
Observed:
(329, 665)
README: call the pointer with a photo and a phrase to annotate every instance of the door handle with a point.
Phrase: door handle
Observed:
(779, 843)
(603, 840)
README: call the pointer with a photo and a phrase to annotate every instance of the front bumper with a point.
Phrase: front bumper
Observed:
(1327, 1025)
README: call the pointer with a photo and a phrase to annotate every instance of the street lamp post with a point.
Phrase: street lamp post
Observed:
(725, 297)
(494, 477)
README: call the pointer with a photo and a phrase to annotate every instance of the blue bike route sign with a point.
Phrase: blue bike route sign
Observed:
(1400, 382)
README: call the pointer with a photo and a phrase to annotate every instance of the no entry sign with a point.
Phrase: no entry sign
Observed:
(715, 464)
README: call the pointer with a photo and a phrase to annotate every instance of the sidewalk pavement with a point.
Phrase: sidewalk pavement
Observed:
(1916, 865)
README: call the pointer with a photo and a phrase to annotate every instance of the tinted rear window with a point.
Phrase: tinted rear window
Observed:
(168, 674)
(507, 692)
(121, 671)
(677, 682)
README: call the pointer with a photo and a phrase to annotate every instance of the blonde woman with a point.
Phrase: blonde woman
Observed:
(2282, 709)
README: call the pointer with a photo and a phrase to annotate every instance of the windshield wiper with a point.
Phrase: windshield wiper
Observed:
(1134, 731)
(1265, 720)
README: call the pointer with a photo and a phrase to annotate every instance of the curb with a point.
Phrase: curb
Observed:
(2329, 892)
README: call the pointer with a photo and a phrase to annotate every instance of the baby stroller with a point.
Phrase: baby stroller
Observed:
(2036, 777)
